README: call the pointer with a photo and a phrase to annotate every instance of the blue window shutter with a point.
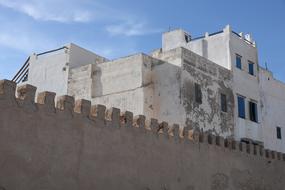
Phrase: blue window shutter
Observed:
(241, 107)
(251, 68)
(238, 62)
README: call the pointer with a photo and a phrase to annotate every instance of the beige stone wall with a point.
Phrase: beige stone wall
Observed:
(74, 145)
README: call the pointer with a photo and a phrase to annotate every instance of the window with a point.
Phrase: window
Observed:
(223, 102)
(251, 68)
(241, 107)
(253, 111)
(187, 38)
(238, 61)
(278, 130)
(198, 93)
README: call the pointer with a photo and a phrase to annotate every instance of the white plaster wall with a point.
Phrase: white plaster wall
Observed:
(80, 82)
(245, 85)
(248, 53)
(215, 48)
(173, 39)
(131, 100)
(80, 56)
(125, 83)
(273, 109)
(119, 75)
(166, 78)
(170, 56)
(167, 89)
(174, 92)
(196, 46)
(49, 73)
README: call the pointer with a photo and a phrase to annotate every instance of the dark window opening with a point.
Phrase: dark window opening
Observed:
(224, 102)
(241, 107)
(198, 93)
(238, 61)
(278, 130)
(187, 38)
(251, 68)
(253, 111)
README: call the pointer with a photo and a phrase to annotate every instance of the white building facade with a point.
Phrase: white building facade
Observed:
(259, 102)
(213, 83)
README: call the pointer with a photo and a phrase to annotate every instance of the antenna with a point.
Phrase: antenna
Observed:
(169, 28)
(266, 66)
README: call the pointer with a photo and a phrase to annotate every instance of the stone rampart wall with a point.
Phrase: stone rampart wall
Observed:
(74, 145)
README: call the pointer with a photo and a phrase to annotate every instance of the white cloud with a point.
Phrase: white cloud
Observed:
(66, 11)
(59, 11)
(131, 28)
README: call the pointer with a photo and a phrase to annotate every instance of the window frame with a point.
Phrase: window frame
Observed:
(249, 71)
(240, 115)
(240, 64)
(253, 111)
(278, 132)
(198, 93)
(224, 105)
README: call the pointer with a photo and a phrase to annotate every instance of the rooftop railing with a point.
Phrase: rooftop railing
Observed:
(212, 34)
(23, 73)
(215, 33)
(52, 51)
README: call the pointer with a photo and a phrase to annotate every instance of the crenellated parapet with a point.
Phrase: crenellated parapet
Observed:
(24, 97)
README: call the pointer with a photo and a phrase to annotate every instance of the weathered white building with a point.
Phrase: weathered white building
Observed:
(212, 83)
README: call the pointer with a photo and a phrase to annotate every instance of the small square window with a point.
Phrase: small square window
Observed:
(198, 93)
(251, 68)
(238, 61)
(278, 130)
(253, 111)
(241, 107)
(223, 102)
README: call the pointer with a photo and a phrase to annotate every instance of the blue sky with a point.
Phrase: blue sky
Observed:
(119, 28)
